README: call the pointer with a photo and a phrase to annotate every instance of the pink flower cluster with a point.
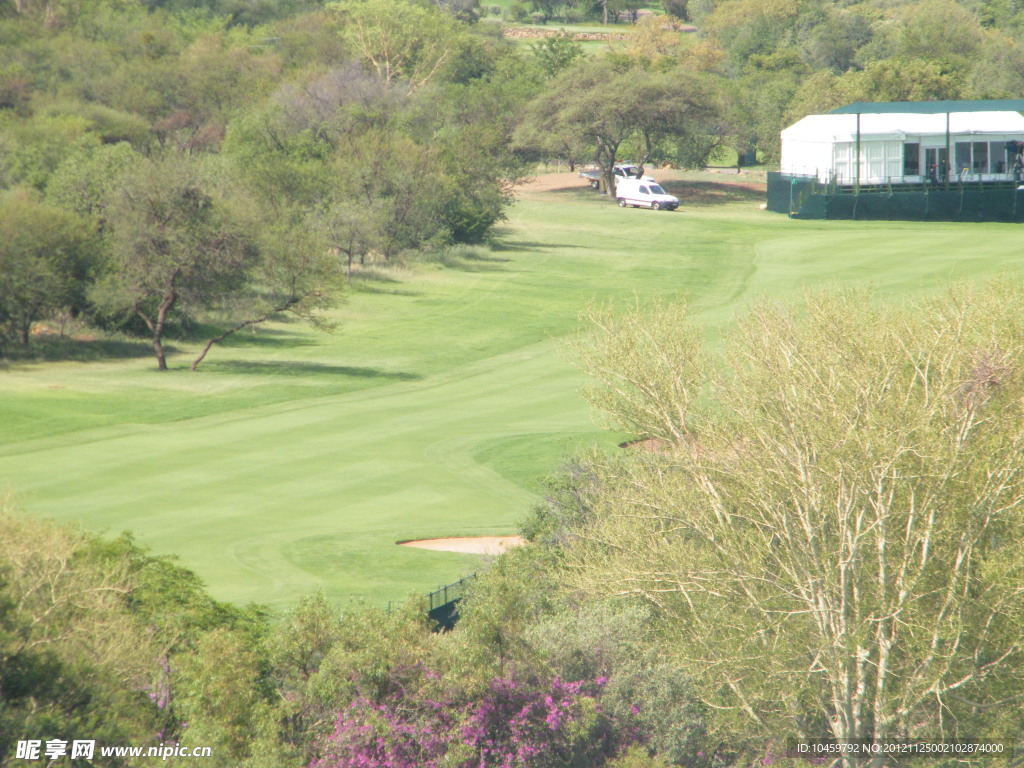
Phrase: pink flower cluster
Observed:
(513, 723)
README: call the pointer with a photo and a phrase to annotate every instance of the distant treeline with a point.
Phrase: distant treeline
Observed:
(234, 160)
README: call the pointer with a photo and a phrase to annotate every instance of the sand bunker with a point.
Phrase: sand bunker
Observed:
(475, 545)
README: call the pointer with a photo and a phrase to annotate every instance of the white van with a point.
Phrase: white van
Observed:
(646, 194)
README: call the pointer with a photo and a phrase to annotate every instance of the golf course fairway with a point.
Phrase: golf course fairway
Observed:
(294, 460)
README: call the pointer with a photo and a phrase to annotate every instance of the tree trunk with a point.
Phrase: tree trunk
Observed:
(161, 359)
(221, 337)
(27, 319)
(157, 328)
(606, 154)
(284, 307)
(608, 181)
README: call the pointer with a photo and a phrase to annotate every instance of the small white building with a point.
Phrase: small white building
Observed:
(903, 147)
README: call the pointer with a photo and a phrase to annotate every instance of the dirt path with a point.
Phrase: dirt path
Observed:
(549, 182)
(707, 187)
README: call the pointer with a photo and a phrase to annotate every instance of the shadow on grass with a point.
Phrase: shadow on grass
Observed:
(707, 193)
(268, 338)
(301, 368)
(371, 280)
(79, 350)
(371, 288)
(371, 275)
(472, 260)
(528, 245)
(576, 192)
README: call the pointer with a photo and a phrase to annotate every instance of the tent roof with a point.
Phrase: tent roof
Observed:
(898, 126)
(931, 107)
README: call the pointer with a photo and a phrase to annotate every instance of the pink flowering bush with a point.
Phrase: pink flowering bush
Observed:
(369, 735)
(513, 723)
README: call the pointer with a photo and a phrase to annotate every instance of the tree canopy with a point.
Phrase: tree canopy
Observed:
(46, 257)
(613, 109)
(829, 525)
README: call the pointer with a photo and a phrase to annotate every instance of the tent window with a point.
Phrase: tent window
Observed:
(911, 159)
(973, 157)
(980, 157)
(963, 156)
(997, 157)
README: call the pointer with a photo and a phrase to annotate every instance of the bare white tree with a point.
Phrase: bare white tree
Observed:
(646, 365)
(400, 42)
(838, 548)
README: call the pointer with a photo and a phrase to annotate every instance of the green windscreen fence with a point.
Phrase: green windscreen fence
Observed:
(804, 198)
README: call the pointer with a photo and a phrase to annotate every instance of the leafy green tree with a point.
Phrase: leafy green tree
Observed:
(47, 256)
(511, 596)
(894, 79)
(350, 228)
(618, 642)
(173, 247)
(699, 9)
(401, 42)
(287, 156)
(31, 149)
(473, 134)
(219, 694)
(467, 11)
(608, 106)
(312, 38)
(653, 42)
(86, 182)
(755, 110)
(216, 77)
(73, 660)
(377, 654)
(382, 171)
(822, 92)
(15, 88)
(1006, 15)
(294, 275)
(924, 30)
(746, 28)
(540, 136)
(396, 181)
(299, 647)
(556, 52)
(997, 71)
(900, 79)
(835, 545)
(833, 43)
(99, 640)
(679, 9)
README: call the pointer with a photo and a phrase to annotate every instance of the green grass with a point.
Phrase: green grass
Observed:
(294, 460)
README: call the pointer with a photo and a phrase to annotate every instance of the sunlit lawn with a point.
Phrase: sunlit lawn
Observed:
(294, 460)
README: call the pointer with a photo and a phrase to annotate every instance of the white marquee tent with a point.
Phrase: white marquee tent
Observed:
(898, 147)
